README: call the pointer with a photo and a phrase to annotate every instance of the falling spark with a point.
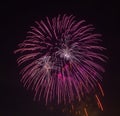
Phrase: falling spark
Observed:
(99, 103)
(101, 89)
(86, 113)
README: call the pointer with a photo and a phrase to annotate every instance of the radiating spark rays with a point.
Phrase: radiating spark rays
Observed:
(59, 59)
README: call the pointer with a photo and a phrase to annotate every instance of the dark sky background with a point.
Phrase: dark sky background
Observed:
(16, 18)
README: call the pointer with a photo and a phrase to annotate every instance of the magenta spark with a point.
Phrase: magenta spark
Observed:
(61, 59)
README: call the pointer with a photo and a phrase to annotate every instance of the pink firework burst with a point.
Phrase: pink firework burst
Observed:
(61, 59)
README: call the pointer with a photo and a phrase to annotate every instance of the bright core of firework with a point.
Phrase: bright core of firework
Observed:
(61, 59)
(65, 53)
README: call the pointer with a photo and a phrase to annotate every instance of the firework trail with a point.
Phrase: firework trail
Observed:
(61, 59)
(87, 106)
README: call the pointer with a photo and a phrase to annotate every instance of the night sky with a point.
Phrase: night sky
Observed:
(16, 18)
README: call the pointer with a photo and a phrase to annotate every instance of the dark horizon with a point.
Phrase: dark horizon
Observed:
(16, 19)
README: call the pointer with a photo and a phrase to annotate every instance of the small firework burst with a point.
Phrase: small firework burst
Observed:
(61, 59)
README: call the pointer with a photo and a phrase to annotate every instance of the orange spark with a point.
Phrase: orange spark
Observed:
(101, 89)
(72, 107)
(99, 103)
(86, 113)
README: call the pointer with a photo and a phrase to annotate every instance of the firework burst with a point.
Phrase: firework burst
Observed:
(61, 59)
